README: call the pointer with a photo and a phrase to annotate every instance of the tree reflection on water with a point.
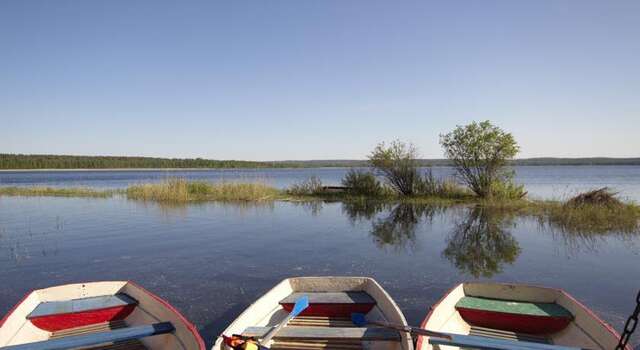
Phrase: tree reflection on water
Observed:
(480, 243)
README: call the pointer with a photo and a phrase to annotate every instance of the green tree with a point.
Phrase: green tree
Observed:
(479, 152)
(398, 164)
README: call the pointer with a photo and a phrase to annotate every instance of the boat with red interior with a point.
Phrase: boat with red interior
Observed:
(113, 315)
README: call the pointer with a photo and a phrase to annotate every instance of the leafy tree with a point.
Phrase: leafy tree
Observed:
(398, 164)
(479, 152)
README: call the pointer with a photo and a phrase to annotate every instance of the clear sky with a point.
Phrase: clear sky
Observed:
(316, 79)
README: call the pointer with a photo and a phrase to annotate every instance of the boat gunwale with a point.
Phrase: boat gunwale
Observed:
(218, 344)
(588, 311)
(13, 309)
(189, 326)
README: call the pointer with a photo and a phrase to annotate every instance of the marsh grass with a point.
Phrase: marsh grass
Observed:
(55, 192)
(591, 213)
(180, 190)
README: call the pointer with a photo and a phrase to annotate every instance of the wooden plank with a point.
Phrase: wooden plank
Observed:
(99, 327)
(316, 345)
(79, 305)
(321, 321)
(325, 333)
(331, 298)
(95, 339)
(475, 342)
(128, 345)
(501, 334)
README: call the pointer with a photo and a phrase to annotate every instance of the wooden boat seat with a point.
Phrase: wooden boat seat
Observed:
(514, 316)
(96, 340)
(506, 335)
(326, 333)
(331, 304)
(477, 342)
(133, 344)
(80, 305)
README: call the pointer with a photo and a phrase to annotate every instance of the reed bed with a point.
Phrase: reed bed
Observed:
(181, 190)
(54, 192)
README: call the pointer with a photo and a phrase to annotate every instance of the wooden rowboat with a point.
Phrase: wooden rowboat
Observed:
(503, 313)
(325, 323)
(98, 315)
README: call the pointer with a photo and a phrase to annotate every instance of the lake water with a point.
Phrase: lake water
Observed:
(212, 260)
(556, 182)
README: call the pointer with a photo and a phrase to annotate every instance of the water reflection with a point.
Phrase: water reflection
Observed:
(480, 243)
(398, 228)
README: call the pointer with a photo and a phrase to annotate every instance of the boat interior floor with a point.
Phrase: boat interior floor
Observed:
(507, 335)
(327, 324)
(101, 327)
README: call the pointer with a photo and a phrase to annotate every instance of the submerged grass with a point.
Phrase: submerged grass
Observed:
(54, 192)
(590, 213)
(181, 190)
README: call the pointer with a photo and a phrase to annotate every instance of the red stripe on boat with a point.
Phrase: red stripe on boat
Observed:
(332, 310)
(519, 323)
(58, 322)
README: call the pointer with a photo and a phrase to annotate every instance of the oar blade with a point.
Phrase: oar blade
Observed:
(358, 319)
(301, 304)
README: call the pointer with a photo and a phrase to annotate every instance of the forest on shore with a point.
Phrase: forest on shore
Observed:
(35, 161)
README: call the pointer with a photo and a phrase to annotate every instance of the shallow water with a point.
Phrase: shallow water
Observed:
(551, 182)
(212, 260)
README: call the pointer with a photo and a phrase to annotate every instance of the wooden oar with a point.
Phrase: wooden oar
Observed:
(301, 304)
(359, 320)
(461, 340)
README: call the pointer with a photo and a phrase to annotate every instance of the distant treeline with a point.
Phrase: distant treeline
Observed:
(23, 161)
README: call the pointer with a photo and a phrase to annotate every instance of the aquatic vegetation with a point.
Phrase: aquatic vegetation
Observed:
(55, 192)
(181, 190)
(362, 183)
(310, 187)
(593, 212)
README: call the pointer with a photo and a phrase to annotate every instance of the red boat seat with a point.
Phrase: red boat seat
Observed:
(514, 316)
(64, 314)
(331, 304)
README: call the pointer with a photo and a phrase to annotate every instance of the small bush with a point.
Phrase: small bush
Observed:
(398, 164)
(362, 183)
(311, 186)
(429, 185)
(507, 189)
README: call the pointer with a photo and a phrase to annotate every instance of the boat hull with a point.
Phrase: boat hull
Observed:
(19, 326)
(583, 329)
(268, 311)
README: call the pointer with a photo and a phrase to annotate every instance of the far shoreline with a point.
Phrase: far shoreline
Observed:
(281, 168)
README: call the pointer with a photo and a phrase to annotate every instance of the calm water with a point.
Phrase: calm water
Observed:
(555, 182)
(212, 260)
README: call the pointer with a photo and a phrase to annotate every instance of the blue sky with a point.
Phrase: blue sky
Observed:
(316, 79)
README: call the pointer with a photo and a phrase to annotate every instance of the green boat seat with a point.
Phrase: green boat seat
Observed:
(513, 307)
